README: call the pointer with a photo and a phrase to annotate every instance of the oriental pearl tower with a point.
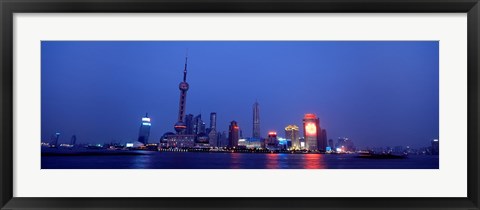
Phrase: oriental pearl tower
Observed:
(180, 126)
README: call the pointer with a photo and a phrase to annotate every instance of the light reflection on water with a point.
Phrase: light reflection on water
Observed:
(272, 161)
(192, 160)
(313, 161)
(236, 160)
(141, 161)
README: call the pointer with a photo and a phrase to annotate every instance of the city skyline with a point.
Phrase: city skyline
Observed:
(276, 86)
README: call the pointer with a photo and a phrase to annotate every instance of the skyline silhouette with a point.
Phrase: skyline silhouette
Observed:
(377, 93)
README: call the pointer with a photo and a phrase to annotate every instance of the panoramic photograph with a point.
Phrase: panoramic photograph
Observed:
(239, 105)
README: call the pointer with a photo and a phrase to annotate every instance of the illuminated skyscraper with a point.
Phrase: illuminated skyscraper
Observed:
(291, 132)
(311, 131)
(271, 142)
(180, 126)
(198, 125)
(435, 147)
(55, 139)
(256, 120)
(144, 132)
(213, 121)
(212, 131)
(233, 134)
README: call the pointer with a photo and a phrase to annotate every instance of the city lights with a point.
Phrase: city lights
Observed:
(311, 129)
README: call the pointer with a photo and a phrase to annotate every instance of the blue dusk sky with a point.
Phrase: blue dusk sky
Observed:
(377, 93)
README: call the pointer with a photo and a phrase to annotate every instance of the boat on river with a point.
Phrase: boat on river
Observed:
(371, 155)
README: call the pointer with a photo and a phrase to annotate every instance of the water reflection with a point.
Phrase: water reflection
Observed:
(186, 160)
(141, 162)
(235, 160)
(272, 161)
(314, 161)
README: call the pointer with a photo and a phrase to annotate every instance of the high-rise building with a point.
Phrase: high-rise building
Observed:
(189, 124)
(212, 131)
(435, 147)
(222, 140)
(198, 125)
(256, 120)
(303, 144)
(202, 127)
(312, 132)
(144, 132)
(183, 86)
(55, 139)
(233, 134)
(213, 121)
(322, 141)
(291, 132)
(271, 142)
(331, 144)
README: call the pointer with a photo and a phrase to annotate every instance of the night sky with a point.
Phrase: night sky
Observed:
(381, 93)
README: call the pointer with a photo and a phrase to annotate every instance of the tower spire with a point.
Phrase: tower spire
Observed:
(183, 86)
(185, 69)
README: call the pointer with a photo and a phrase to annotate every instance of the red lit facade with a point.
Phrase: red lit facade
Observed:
(315, 137)
(233, 131)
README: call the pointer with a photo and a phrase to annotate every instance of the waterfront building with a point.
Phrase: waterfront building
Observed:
(202, 141)
(291, 132)
(164, 140)
(250, 143)
(312, 132)
(55, 138)
(183, 141)
(302, 143)
(331, 144)
(284, 143)
(254, 143)
(144, 132)
(435, 147)
(233, 134)
(183, 86)
(256, 120)
(242, 143)
(271, 142)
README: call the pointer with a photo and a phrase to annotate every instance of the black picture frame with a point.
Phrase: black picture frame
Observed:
(9, 7)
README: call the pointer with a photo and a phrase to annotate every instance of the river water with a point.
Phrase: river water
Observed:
(199, 160)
